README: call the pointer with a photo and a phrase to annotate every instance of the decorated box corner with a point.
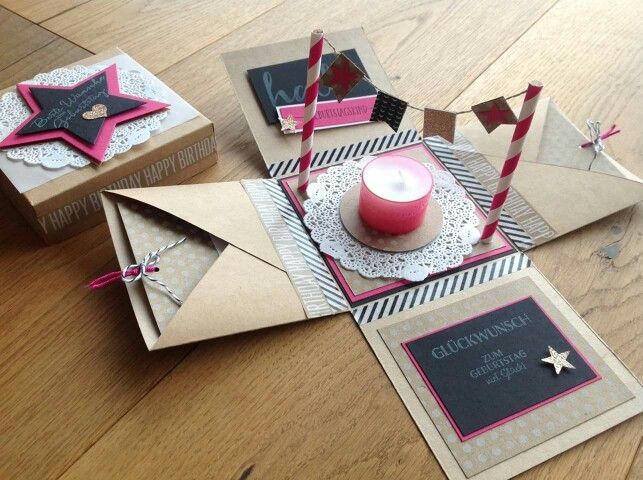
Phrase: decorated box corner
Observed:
(102, 123)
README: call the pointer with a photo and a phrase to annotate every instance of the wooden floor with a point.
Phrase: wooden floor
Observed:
(81, 397)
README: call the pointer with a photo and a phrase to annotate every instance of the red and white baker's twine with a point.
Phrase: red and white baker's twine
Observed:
(138, 271)
(513, 156)
(310, 107)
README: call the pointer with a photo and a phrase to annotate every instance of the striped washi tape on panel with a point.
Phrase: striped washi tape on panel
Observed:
(346, 152)
(441, 287)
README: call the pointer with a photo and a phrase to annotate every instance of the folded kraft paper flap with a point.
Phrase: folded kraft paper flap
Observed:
(252, 273)
(554, 190)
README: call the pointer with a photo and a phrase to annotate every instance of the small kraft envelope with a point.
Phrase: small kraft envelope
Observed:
(558, 186)
(241, 267)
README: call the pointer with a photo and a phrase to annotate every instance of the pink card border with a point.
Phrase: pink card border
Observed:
(332, 263)
(370, 99)
(464, 438)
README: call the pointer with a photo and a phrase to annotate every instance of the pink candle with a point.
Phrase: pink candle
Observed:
(394, 194)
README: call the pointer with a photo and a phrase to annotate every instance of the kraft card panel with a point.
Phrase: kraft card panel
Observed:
(360, 290)
(275, 147)
(180, 268)
(469, 369)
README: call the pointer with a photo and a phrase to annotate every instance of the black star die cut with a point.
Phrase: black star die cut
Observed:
(63, 108)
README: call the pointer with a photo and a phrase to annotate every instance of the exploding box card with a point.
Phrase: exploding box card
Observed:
(497, 370)
(503, 376)
(104, 122)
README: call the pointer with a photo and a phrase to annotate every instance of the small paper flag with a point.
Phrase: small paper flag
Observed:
(439, 122)
(341, 76)
(388, 109)
(493, 113)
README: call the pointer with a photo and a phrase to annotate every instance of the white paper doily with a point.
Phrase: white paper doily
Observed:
(446, 251)
(58, 154)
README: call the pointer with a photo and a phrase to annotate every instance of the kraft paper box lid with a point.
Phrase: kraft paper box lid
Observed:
(247, 281)
(275, 147)
(553, 192)
(55, 189)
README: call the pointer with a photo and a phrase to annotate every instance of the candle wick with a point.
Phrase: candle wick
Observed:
(401, 176)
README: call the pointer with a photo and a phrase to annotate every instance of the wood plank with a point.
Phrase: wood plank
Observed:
(37, 11)
(54, 54)
(155, 32)
(636, 470)
(20, 37)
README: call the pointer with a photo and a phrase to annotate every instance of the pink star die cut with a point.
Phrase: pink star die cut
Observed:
(95, 150)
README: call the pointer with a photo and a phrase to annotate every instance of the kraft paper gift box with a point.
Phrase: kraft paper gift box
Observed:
(61, 202)
(248, 277)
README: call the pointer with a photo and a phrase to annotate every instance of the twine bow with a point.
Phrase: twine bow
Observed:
(597, 137)
(138, 271)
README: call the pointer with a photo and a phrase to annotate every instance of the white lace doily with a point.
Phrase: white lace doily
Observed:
(58, 154)
(446, 251)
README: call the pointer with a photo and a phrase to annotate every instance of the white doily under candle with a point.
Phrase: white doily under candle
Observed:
(447, 251)
(57, 154)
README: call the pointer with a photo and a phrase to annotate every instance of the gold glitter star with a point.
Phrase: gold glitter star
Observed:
(288, 124)
(558, 360)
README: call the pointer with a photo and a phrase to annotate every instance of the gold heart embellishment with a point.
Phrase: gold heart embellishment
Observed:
(98, 111)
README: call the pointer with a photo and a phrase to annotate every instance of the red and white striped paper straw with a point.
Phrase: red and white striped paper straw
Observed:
(513, 156)
(310, 107)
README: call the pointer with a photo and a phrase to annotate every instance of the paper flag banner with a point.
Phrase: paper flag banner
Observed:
(439, 122)
(341, 76)
(493, 113)
(388, 109)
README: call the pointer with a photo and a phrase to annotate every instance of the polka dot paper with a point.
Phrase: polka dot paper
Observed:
(180, 268)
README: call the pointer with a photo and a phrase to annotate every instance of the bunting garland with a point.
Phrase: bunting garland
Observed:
(494, 113)
(388, 109)
(343, 75)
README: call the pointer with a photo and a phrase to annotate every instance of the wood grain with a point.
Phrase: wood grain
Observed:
(84, 399)
(157, 33)
(19, 38)
(38, 11)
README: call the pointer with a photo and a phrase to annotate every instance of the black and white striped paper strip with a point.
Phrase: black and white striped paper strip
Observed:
(347, 152)
(441, 287)
(479, 193)
(309, 251)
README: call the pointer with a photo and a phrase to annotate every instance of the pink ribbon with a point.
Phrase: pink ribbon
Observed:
(112, 277)
(603, 135)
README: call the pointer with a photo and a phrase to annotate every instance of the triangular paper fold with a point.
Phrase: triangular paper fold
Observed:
(552, 177)
(238, 294)
(223, 210)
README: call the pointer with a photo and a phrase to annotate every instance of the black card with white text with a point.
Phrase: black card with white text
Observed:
(487, 370)
(285, 83)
